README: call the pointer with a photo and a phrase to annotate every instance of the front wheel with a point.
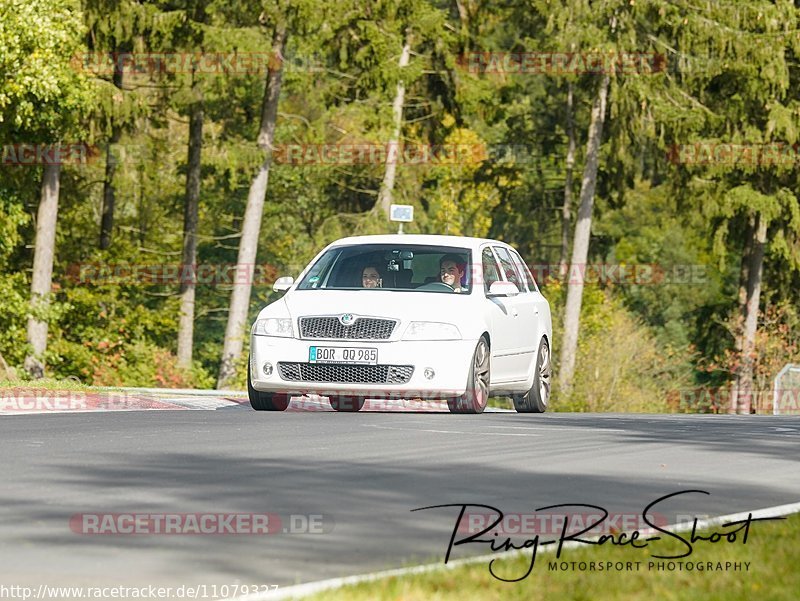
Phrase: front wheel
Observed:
(476, 395)
(265, 401)
(537, 398)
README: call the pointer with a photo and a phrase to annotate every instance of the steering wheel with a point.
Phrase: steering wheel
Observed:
(441, 286)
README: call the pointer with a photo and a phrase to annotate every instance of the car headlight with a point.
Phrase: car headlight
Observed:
(431, 330)
(273, 327)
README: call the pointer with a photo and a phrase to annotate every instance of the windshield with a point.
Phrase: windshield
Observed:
(406, 267)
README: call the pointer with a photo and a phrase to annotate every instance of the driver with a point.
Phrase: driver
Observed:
(451, 271)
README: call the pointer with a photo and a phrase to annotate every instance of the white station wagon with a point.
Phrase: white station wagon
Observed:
(405, 317)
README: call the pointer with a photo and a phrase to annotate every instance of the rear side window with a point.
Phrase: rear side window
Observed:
(524, 271)
(510, 270)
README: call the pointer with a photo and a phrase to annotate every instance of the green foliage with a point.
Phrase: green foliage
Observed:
(777, 343)
(12, 217)
(14, 299)
(106, 338)
(622, 367)
(43, 98)
(671, 271)
(460, 205)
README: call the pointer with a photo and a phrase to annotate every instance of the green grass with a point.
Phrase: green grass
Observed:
(44, 384)
(773, 550)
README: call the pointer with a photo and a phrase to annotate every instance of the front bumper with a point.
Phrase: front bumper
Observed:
(449, 359)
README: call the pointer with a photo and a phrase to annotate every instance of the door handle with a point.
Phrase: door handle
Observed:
(514, 312)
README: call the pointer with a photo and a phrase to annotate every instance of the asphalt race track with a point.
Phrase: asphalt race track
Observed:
(356, 477)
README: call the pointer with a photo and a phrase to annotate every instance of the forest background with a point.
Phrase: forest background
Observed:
(642, 155)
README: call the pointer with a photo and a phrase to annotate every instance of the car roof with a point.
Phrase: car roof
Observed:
(432, 239)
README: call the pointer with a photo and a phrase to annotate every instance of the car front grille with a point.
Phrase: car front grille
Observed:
(363, 328)
(350, 374)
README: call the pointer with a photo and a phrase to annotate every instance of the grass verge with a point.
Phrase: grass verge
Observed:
(44, 384)
(772, 551)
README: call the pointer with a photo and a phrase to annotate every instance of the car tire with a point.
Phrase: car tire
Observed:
(347, 404)
(538, 397)
(265, 401)
(476, 395)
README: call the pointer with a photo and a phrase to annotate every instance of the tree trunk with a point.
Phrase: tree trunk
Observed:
(566, 210)
(8, 372)
(580, 245)
(109, 192)
(141, 206)
(387, 186)
(741, 314)
(245, 263)
(744, 377)
(463, 19)
(41, 281)
(190, 218)
(744, 276)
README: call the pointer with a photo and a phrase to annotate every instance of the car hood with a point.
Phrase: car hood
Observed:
(403, 306)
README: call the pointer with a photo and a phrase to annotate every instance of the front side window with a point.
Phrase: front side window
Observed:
(491, 273)
(405, 267)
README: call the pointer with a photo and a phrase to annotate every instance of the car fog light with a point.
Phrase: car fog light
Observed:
(429, 373)
(267, 369)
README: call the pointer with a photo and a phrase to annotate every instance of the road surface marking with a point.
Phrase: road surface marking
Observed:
(472, 433)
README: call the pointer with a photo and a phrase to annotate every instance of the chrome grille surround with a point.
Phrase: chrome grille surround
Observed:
(330, 328)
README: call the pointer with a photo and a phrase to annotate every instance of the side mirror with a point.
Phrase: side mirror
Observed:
(282, 284)
(503, 289)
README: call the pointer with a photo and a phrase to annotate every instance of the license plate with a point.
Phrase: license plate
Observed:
(342, 354)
